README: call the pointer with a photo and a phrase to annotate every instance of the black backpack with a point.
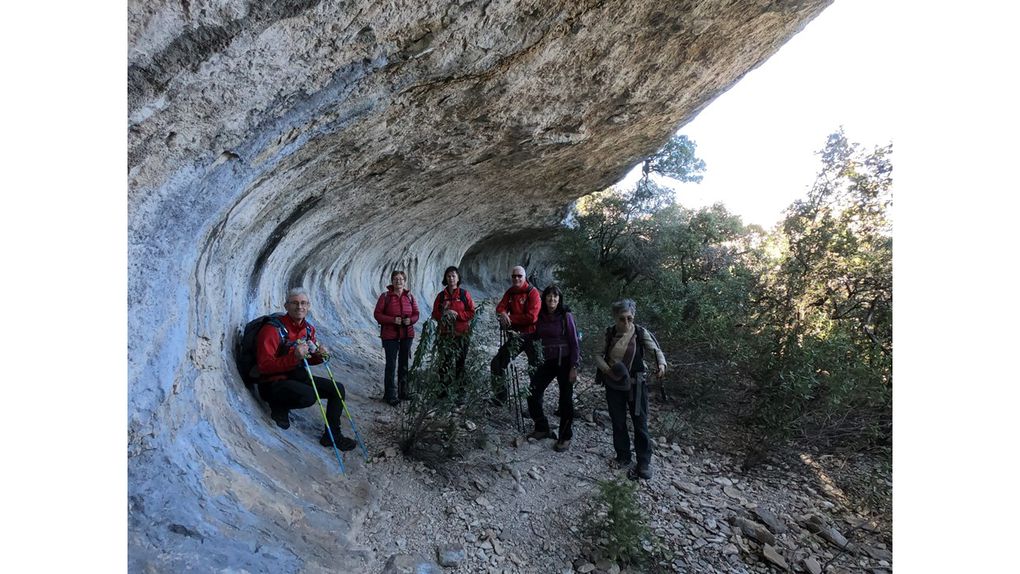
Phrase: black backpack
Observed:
(246, 360)
(463, 296)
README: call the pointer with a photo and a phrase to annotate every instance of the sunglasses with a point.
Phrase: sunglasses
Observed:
(516, 276)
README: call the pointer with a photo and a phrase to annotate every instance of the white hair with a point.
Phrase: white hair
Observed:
(524, 271)
(297, 291)
(624, 305)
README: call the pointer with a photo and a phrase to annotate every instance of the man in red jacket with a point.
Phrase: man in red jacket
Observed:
(284, 381)
(517, 313)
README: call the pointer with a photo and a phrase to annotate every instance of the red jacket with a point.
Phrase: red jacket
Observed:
(523, 305)
(274, 359)
(446, 300)
(391, 306)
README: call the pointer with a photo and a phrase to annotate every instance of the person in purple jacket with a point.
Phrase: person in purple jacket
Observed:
(561, 352)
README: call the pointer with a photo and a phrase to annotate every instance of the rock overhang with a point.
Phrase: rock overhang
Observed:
(326, 143)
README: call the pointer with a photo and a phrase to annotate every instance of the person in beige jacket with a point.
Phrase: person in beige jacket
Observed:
(621, 368)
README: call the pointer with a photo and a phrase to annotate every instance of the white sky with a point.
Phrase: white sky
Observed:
(759, 138)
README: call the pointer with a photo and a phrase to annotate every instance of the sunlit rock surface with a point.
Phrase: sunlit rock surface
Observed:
(323, 144)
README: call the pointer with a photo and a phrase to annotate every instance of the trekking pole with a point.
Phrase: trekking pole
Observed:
(502, 346)
(515, 406)
(318, 401)
(520, 406)
(347, 411)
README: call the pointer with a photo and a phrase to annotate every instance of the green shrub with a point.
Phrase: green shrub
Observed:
(804, 310)
(617, 525)
(435, 421)
(671, 425)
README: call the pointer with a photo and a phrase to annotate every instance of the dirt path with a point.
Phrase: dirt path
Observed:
(518, 508)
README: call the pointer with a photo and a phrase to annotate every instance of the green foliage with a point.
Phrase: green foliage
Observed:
(433, 421)
(591, 321)
(617, 233)
(823, 355)
(616, 523)
(672, 426)
(676, 160)
(804, 310)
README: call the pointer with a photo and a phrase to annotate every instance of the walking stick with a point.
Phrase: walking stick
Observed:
(515, 384)
(347, 411)
(318, 401)
(502, 346)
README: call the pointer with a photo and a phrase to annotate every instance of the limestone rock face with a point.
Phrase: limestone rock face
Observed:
(325, 143)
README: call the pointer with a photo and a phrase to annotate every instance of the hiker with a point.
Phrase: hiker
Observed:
(396, 312)
(284, 381)
(517, 313)
(621, 369)
(453, 311)
(557, 333)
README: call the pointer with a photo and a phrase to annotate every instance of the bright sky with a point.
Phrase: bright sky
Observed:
(759, 139)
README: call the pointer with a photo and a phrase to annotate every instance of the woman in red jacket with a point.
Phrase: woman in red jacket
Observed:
(396, 312)
(453, 310)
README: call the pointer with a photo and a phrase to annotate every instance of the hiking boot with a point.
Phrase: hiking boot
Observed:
(538, 435)
(621, 462)
(641, 471)
(281, 418)
(561, 445)
(342, 443)
(392, 401)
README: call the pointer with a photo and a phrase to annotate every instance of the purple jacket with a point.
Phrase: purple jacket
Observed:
(559, 338)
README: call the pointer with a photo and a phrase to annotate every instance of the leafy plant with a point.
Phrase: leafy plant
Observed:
(823, 309)
(672, 426)
(437, 422)
(616, 523)
(804, 310)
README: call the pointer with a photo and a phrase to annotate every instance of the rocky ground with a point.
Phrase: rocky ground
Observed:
(516, 505)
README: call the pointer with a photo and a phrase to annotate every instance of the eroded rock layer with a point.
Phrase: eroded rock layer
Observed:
(324, 143)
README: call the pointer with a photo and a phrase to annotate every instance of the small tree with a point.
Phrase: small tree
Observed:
(616, 523)
(443, 400)
(613, 242)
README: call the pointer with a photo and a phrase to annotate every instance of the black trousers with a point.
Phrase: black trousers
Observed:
(540, 379)
(398, 353)
(620, 403)
(297, 393)
(503, 358)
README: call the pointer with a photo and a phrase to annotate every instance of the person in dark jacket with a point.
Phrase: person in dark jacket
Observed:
(283, 380)
(621, 368)
(453, 310)
(397, 312)
(517, 313)
(556, 332)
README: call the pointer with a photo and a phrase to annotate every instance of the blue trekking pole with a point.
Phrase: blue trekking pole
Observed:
(347, 411)
(318, 401)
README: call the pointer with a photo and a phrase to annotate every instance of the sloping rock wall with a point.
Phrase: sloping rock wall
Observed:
(325, 143)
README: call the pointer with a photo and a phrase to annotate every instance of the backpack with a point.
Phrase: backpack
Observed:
(463, 296)
(246, 359)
